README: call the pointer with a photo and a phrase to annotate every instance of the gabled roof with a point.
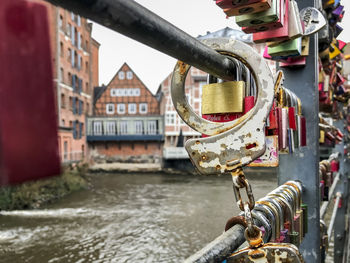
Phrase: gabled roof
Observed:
(135, 75)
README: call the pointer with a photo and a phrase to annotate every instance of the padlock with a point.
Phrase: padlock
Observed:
(301, 122)
(278, 34)
(270, 15)
(322, 137)
(304, 207)
(321, 189)
(293, 62)
(234, 3)
(262, 27)
(298, 213)
(295, 28)
(324, 240)
(313, 20)
(291, 218)
(300, 209)
(224, 97)
(334, 166)
(333, 51)
(288, 48)
(260, 6)
(271, 218)
(305, 44)
(338, 11)
(338, 30)
(277, 217)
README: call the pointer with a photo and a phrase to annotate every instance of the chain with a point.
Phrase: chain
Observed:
(252, 233)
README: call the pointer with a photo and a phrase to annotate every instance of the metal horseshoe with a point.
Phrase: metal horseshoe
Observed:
(232, 144)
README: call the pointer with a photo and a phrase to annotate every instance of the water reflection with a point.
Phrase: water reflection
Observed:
(125, 218)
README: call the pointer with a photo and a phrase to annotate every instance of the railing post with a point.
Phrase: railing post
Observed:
(303, 165)
(342, 187)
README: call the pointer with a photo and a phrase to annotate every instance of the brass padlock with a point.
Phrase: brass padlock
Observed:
(224, 97)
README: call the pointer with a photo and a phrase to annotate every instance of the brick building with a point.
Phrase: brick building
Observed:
(176, 132)
(126, 124)
(75, 63)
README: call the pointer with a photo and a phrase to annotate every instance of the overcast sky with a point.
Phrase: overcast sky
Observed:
(195, 17)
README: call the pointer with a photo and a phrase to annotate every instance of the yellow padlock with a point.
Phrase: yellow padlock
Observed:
(224, 97)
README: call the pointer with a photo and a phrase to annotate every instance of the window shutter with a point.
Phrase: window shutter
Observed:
(73, 35)
(74, 130)
(74, 82)
(80, 130)
(80, 107)
(80, 85)
(74, 105)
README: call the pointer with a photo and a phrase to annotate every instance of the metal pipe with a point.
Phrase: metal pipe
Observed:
(334, 213)
(325, 204)
(133, 20)
(220, 248)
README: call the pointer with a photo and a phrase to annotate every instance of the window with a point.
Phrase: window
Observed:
(137, 92)
(132, 108)
(152, 127)
(110, 127)
(72, 16)
(123, 127)
(69, 78)
(69, 55)
(78, 20)
(87, 87)
(70, 103)
(63, 123)
(61, 49)
(97, 128)
(63, 101)
(129, 75)
(170, 118)
(61, 75)
(87, 108)
(143, 108)
(70, 124)
(121, 108)
(69, 29)
(113, 92)
(86, 66)
(86, 45)
(138, 127)
(65, 150)
(60, 22)
(110, 108)
(121, 75)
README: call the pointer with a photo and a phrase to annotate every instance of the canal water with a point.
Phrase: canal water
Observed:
(126, 218)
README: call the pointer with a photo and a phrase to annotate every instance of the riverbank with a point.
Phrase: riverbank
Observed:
(117, 167)
(34, 194)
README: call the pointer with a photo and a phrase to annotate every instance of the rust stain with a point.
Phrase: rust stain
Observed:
(182, 67)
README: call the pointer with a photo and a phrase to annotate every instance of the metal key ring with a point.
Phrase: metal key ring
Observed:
(230, 147)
